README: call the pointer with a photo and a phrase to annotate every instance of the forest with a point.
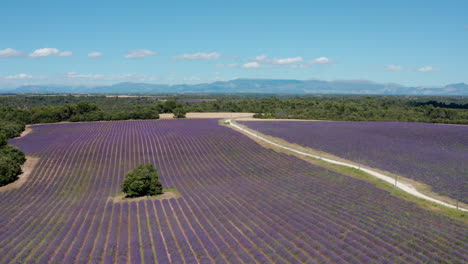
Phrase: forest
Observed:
(24, 109)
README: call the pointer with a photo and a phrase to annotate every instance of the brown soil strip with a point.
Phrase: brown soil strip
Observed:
(167, 194)
(195, 115)
(27, 168)
(251, 118)
(26, 131)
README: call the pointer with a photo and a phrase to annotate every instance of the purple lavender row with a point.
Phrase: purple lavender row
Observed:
(146, 243)
(232, 210)
(434, 154)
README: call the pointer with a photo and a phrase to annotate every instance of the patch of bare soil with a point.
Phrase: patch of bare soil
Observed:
(166, 116)
(251, 118)
(27, 168)
(195, 115)
(167, 194)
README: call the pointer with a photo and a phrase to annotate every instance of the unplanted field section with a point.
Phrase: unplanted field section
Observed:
(433, 154)
(240, 203)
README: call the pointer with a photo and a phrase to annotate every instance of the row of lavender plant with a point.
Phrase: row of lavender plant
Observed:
(434, 154)
(240, 203)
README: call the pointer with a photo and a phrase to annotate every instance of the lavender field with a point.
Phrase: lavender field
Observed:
(434, 154)
(241, 203)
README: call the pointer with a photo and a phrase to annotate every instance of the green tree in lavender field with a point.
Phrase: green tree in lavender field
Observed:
(141, 181)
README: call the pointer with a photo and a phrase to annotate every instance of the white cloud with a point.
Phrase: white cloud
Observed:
(427, 69)
(94, 54)
(321, 60)
(74, 75)
(251, 65)
(392, 67)
(18, 76)
(287, 60)
(46, 52)
(139, 53)
(262, 61)
(261, 58)
(66, 54)
(8, 52)
(109, 77)
(199, 56)
(295, 62)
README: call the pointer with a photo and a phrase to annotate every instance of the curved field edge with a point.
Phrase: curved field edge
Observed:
(27, 169)
(356, 173)
(27, 129)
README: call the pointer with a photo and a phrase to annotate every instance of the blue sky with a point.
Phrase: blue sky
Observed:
(104, 42)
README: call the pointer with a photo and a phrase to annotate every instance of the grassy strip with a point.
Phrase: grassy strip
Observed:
(355, 173)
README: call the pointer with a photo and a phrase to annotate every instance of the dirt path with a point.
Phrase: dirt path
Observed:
(251, 118)
(210, 115)
(167, 194)
(403, 186)
(27, 168)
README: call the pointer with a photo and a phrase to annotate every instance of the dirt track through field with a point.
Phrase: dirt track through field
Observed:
(209, 115)
(403, 186)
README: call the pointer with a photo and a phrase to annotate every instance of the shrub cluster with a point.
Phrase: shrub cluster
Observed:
(141, 181)
(11, 129)
(179, 112)
(11, 159)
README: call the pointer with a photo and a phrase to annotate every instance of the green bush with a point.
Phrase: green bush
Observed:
(9, 170)
(11, 159)
(141, 181)
(3, 140)
(13, 153)
(11, 129)
(179, 112)
(170, 105)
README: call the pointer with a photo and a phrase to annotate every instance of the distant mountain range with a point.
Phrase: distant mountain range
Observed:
(252, 86)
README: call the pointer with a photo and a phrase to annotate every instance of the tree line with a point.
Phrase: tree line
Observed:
(47, 109)
(85, 111)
